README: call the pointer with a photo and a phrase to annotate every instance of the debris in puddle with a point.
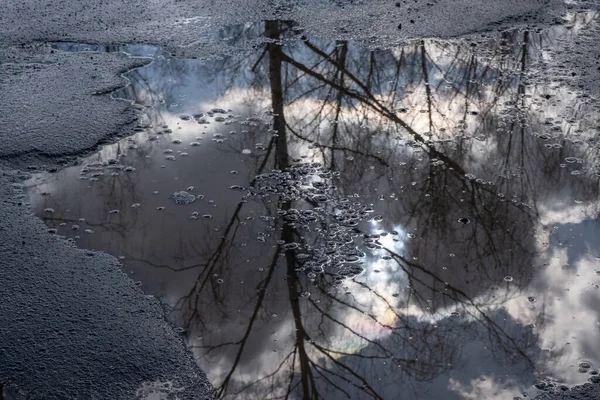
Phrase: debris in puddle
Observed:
(183, 197)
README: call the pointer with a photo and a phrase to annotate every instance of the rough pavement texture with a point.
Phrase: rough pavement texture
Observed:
(49, 110)
(584, 58)
(180, 24)
(71, 324)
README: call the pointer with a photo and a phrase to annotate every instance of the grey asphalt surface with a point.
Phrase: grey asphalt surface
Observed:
(72, 325)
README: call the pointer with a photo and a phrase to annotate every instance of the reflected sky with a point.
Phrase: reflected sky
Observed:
(416, 222)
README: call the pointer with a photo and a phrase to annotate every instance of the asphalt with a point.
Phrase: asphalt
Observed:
(72, 325)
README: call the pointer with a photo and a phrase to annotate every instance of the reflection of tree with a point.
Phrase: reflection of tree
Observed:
(407, 126)
(307, 359)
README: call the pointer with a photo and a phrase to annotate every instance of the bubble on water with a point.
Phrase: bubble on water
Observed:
(576, 172)
(184, 154)
(207, 216)
(161, 208)
(153, 138)
(334, 223)
(170, 158)
(183, 197)
(246, 151)
(290, 246)
(194, 144)
(167, 151)
(114, 211)
(129, 169)
(305, 294)
(49, 210)
(112, 165)
(508, 278)
(89, 231)
(52, 230)
(155, 192)
(234, 172)
(572, 160)
(541, 385)
(185, 117)
(464, 221)
(585, 365)
(531, 299)
(176, 141)
(219, 281)
(135, 205)
(237, 188)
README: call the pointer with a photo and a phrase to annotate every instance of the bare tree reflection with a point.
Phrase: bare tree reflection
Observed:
(446, 144)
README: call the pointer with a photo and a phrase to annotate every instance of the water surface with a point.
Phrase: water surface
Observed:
(324, 220)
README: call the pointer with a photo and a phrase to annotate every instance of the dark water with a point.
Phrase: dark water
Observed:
(419, 222)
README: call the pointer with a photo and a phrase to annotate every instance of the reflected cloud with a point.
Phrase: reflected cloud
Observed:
(484, 387)
(366, 222)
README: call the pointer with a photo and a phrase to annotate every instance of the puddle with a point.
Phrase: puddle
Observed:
(421, 220)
